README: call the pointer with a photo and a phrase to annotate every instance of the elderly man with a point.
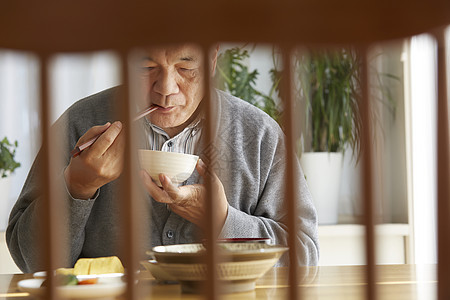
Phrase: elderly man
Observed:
(248, 169)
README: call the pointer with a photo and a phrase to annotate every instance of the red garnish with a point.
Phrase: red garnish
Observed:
(88, 281)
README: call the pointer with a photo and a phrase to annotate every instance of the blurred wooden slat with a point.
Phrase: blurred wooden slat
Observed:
(443, 170)
(30, 25)
(367, 173)
(211, 232)
(128, 200)
(47, 249)
(48, 27)
(290, 195)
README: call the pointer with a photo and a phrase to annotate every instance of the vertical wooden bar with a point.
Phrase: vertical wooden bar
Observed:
(47, 212)
(126, 199)
(290, 175)
(211, 232)
(367, 168)
(443, 171)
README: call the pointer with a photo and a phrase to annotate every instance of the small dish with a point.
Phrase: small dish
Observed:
(233, 276)
(92, 291)
(238, 266)
(102, 278)
(40, 275)
(157, 271)
(194, 253)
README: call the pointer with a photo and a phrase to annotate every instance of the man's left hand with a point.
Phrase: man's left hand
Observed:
(189, 201)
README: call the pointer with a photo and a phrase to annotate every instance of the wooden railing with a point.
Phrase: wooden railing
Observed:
(50, 27)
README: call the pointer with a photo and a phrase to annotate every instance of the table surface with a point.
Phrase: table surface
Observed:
(323, 282)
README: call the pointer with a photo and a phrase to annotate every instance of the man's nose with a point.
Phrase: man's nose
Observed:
(166, 83)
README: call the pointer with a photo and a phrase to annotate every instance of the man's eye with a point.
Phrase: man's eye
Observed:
(191, 72)
(147, 68)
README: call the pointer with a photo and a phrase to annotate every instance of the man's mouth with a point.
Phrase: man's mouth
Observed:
(164, 109)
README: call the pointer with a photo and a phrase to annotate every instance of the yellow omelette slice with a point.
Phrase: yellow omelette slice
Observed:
(105, 265)
(82, 266)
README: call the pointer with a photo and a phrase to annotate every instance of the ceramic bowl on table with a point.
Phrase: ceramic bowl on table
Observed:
(158, 272)
(177, 166)
(239, 264)
(246, 240)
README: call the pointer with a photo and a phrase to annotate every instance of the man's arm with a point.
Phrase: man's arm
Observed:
(81, 179)
(25, 224)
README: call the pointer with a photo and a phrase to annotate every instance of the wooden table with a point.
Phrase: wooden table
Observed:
(331, 282)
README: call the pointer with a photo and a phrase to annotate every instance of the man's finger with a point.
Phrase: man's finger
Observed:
(116, 150)
(93, 132)
(171, 189)
(182, 196)
(106, 139)
(203, 171)
(155, 191)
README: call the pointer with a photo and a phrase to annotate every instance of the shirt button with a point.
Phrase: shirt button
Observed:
(169, 234)
(170, 144)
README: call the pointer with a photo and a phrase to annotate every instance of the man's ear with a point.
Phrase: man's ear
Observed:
(214, 60)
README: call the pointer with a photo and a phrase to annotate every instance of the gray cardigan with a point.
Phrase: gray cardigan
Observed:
(250, 161)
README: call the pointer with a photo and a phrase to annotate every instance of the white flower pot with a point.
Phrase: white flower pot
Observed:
(323, 175)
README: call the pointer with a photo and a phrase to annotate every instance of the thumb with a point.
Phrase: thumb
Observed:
(201, 167)
(203, 170)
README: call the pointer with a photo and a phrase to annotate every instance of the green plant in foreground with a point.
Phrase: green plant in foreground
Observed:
(7, 153)
(234, 77)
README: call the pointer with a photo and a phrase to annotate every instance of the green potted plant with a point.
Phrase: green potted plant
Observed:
(7, 162)
(232, 75)
(329, 90)
(330, 87)
(7, 166)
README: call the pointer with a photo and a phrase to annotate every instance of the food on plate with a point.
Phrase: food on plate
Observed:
(99, 265)
(105, 265)
(82, 266)
(63, 279)
(70, 279)
(64, 271)
(86, 266)
(66, 280)
(88, 281)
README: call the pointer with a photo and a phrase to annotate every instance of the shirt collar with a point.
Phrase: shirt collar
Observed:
(195, 126)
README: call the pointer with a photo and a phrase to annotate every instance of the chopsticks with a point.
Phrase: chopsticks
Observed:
(78, 149)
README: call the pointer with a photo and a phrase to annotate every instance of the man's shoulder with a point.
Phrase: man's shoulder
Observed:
(229, 101)
(96, 109)
(238, 110)
(102, 100)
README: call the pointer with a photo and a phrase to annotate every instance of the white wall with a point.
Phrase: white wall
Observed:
(73, 77)
(423, 147)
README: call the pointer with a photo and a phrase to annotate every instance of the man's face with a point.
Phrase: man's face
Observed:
(173, 80)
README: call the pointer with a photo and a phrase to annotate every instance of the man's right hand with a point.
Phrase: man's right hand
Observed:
(97, 165)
